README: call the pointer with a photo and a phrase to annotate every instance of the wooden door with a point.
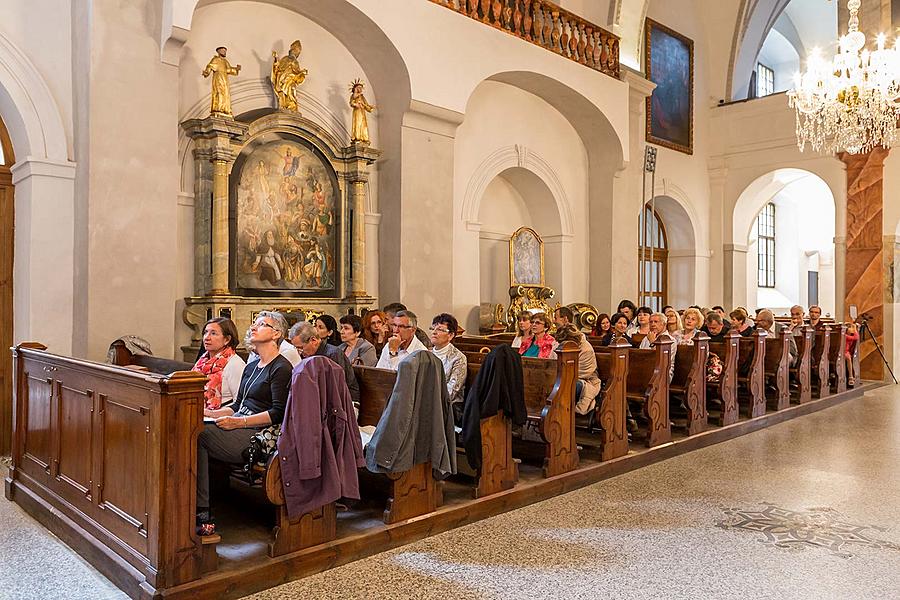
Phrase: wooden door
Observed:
(7, 238)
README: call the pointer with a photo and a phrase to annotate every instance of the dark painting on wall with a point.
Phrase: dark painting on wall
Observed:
(669, 61)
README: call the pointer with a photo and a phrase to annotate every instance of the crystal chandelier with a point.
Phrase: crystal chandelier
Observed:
(851, 102)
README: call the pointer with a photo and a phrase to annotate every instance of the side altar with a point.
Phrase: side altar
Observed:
(278, 220)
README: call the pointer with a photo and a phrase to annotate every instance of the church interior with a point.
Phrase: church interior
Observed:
(410, 298)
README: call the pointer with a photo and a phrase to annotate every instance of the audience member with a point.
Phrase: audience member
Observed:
(357, 349)
(619, 329)
(220, 363)
(588, 385)
(740, 322)
(443, 329)
(563, 316)
(724, 316)
(403, 340)
(327, 329)
(765, 321)
(692, 318)
(523, 328)
(852, 338)
(603, 325)
(286, 349)
(539, 344)
(658, 323)
(641, 323)
(305, 338)
(796, 319)
(673, 323)
(626, 307)
(815, 317)
(392, 309)
(375, 329)
(715, 327)
(260, 402)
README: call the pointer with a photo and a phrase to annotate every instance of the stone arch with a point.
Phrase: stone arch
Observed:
(678, 217)
(754, 20)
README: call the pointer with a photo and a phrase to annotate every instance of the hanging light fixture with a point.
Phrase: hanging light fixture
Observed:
(851, 102)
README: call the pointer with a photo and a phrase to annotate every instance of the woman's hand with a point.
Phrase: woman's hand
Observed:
(230, 422)
(217, 412)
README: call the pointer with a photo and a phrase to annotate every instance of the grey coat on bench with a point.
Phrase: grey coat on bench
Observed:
(417, 423)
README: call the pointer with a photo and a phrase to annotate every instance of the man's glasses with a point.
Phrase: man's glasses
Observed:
(402, 326)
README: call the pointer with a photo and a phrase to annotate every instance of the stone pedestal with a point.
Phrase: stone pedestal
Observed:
(864, 280)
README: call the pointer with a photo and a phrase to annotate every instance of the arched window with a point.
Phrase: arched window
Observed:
(765, 250)
(653, 257)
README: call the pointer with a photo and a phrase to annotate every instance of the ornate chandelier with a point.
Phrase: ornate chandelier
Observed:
(851, 102)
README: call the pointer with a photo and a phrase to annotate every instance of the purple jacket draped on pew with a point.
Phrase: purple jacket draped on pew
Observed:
(319, 448)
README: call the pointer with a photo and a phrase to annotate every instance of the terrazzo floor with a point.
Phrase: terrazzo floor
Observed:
(805, 509)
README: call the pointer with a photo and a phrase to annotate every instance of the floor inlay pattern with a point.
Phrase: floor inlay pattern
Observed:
(819, 527)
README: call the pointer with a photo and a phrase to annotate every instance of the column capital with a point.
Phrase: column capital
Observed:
(216, 138)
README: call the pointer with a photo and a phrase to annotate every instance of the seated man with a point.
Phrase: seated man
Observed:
(306, 340)
(815, 316)
(724, 316)
(765, 321)
(403, 340)
(658, 327)
(715, 327)
(392, 309)
(563, 316)
(796, 319)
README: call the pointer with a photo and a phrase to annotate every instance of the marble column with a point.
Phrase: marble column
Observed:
(864, 279)
(216, 143)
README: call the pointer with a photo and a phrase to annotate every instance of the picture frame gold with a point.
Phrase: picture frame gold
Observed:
(526, 258)
(668, 61)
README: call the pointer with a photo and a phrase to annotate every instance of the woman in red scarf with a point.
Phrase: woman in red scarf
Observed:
(220, 363)
(539, 344)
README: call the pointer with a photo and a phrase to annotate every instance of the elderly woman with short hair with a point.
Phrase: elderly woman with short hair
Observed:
(356, 348)
(539, 344)
(693, 320)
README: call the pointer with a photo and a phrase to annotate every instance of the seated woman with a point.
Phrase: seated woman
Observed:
(443, 329)
(539, 344)
(260, 402)
(220, 363)
(588, 385)
(642, 322)
(692, 319)
(618, 330)
(357, 350)
(740, 322)
(523, 328)
(327, 329)
(375, 329)
(602, 327)
(673, 323)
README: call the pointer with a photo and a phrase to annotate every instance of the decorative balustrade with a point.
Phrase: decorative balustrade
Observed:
(549, 26)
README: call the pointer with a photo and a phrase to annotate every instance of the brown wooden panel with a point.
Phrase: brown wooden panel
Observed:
(820, 365)
(612, 366)
(777, 369)
(689, 382)
(375, 388)
(837, 366)
(37, 432)
(74, 447)
(726, 388)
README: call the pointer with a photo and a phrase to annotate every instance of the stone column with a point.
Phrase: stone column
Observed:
(864, 279)
(359, 157)
(216, 142)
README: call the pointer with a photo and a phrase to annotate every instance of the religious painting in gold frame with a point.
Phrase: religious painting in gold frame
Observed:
(526, 258)
(669, 62)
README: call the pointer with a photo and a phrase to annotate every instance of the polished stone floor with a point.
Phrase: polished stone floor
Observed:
(805, 509)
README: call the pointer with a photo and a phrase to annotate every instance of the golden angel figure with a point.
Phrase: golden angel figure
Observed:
(287, 76)
(220, 69)
(359, 129)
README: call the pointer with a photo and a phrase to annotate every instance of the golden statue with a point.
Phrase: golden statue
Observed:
(220, 69)
(287, 76)
(359, 129)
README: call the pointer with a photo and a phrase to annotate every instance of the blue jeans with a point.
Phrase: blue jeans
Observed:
(579, 386)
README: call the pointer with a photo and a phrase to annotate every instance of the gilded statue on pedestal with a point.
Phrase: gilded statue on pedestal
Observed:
(220, 69)
(287, 75)
(359, 129)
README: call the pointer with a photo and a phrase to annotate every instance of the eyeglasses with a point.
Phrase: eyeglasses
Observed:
(259, 324)
(402, 326)
(439, 329)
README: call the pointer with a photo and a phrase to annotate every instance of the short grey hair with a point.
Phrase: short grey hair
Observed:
(662, 316)
(281, 325)
(413, 319)
(714, 316)
(766, 315)
(304, 329)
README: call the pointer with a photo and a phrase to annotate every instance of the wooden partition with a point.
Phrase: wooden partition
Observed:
(801, 371)
(689, 382)
(819, 362)
(648, 384)
(550, 400)
(726, 388)
(612, 365)
(837, 366)
(106, 459)
(751, 373)
(777, 370)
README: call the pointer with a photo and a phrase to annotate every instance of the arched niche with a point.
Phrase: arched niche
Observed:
(682, 250)
(514, 198)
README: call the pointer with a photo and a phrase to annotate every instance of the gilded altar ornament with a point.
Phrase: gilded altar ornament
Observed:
(220, 69)
(359, 129)
(287, 75)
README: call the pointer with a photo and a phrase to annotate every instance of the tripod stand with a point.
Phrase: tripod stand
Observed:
(863, 329)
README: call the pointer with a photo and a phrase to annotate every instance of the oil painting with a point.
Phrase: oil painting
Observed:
(286, 206)
(669, 60)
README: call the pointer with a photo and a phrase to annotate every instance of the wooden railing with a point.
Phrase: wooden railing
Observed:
(549, 26)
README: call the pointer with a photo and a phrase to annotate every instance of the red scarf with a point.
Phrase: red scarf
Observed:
(212, 367)
(545, 345)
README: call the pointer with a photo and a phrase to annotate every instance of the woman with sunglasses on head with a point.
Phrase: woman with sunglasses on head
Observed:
(260, 402)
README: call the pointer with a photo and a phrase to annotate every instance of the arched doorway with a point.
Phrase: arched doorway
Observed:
(653, 260)
(7, 246)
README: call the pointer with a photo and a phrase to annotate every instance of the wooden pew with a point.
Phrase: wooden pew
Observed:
(751, 372)
(105, 458)
(820, 352)
(612, 407)
(777, 369)
(414, 492)
(801, 371)
(726, 388)
(315, 527)
(837, 368)
(689, 382)
(648, 384)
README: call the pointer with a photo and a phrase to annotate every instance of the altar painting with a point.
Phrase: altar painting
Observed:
(285, 219)
(669, 60)
(526, 258)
